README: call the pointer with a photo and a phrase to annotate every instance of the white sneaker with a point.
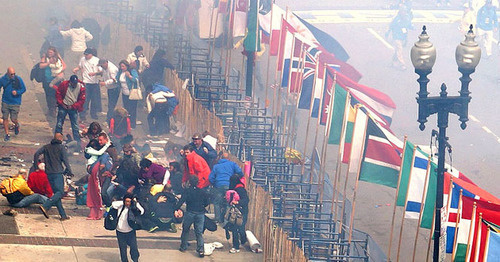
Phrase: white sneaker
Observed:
(234, 250)
(138, 122)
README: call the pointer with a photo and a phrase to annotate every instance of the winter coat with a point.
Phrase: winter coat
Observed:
(222, 171)
(61, 93)
(79, 38)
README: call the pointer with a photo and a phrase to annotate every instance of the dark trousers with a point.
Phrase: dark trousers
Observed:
(220, 203)
(50, 98)
(93, 98)
(239, 234)
(158, 120)
(128, 239)
(106, 198)
(56, 181)
(198, 219)
(113, 95)
(131, 106)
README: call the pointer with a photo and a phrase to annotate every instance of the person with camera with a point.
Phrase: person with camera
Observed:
(128, 212)
(55, 156)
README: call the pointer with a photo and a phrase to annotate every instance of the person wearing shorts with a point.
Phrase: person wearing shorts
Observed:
(13, 89)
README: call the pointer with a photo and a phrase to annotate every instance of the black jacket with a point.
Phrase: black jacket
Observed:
(55, 155)
(196, 200)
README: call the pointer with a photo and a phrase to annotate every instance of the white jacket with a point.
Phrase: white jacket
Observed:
(79, 37)
(142, 60)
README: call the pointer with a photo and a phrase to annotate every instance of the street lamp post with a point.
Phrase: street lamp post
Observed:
(423, 57)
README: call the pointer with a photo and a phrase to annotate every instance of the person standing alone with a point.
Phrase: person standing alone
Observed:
(89, 67)
(13, 89)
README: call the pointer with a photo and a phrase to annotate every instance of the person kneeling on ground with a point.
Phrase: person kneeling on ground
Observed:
(162, 210)
(18, 193)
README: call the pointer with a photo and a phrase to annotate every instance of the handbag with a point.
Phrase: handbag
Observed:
(111, 220)
(135, 94)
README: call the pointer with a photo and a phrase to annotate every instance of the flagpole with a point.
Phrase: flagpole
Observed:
(430, 237)
(325, 140)
(478, 238)
(274, 108)
(344, 197)
(269, 54)
(457, 225)
(285, 115)
(406, 203)
(317, 128)
(396, 200)
(309, 121)
(422, 205)
(351, 223)
(229, 43)
(471, 231)
(212, 50)
(340, 152)
(210, 31)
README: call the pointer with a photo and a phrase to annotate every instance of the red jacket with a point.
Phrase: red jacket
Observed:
(39, 183)
(61, 93)
(197, 166)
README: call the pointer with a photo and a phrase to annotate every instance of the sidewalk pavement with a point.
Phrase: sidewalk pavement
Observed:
(79, 239)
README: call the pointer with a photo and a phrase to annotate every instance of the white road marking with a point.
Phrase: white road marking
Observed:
(380, 38)
(485, 128)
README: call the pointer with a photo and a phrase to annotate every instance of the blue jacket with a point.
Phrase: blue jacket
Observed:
(131, 84)
(10, 85)
(160, 88)
(222, 171)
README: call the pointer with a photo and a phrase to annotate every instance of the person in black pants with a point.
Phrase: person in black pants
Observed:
(196, 200)
(239, 235)
(128, 210)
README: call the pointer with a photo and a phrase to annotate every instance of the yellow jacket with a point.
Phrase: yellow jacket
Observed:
(13, 184)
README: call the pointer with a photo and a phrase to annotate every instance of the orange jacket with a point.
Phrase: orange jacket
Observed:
(197, 166)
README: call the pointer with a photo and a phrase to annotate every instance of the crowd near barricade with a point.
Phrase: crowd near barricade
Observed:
(289, 217)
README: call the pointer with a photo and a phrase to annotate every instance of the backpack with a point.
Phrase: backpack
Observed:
(37, 73)
(7, 190)
(234, 216)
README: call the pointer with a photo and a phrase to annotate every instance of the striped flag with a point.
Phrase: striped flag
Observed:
(416, 185)
(358, 138)
(286, 44)
(340, 100)
(308, 78)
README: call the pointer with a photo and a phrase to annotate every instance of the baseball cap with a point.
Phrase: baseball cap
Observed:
(73, 79)
(196, 136)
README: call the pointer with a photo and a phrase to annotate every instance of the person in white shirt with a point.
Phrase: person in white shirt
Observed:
(128, 210)
(90, 68)
(108, 72)
(140, 60)
(79, 38)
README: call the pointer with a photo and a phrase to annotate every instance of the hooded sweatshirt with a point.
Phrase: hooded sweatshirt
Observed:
(54, 156)
(79, 37)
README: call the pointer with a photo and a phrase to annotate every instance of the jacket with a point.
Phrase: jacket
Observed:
(10, 85)
(196, 200)
(164, 209)
(61, 93)
(210, 156)
(54, 156)
(79, 37)
(39, 183)
(197, 166)
(222, 171)
(15, 188)
(130, 83)
(143, 62)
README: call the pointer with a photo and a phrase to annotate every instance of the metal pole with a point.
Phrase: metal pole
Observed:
(442, 124)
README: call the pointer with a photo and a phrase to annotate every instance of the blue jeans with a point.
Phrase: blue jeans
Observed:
(56, 181)
(113, 95)
(220, 203)
(73, 117)
(199, 221)
(131, 106)
(93, 93)
(31, 199)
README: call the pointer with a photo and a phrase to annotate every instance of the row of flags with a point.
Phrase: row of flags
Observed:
(313, 66)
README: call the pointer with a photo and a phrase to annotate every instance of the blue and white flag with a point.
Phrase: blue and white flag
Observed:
(417, 184)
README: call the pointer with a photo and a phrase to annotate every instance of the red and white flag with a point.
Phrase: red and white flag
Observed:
(240, 17)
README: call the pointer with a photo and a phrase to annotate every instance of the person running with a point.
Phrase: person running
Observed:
(13, 89)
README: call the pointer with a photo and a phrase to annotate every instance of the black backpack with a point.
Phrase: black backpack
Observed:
(37, 73)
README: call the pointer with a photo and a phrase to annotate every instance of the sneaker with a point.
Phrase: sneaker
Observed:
(6, 138)
(16, 129)
(153, 229)
(44, 212)
(64, 218)
(138, 122)
(182, 249)
(10, 212)
(234, 250)
(201, 254)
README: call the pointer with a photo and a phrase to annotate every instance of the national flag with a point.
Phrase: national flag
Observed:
(417, 184)
(469, 190)
(358, 140)
(310, 68)
(252, 39)
(348, 129)
(327, 41)
(270, 32)
(489, 212)
(373, 99)
(286, 44)
(406, 166)
(382, 156)
(319, 87)
(492, 250)
(328, 90)
(293, 80)
(239, 17)
(340, 101)
(207, 28)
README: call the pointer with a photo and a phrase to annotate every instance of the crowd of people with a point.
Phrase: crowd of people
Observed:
(121, 175)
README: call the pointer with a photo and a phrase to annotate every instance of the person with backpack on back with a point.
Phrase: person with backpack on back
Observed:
(17, 191)
(237, 198)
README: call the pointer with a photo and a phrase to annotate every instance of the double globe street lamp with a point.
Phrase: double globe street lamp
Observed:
(423, 57)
